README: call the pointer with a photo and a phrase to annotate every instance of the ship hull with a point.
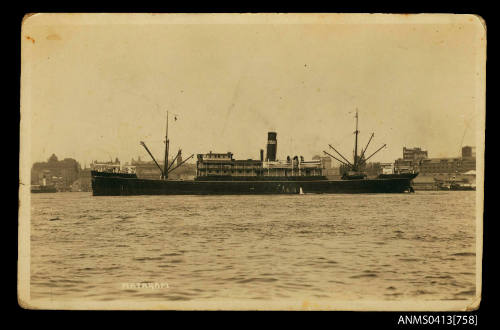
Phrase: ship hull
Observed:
(410, 176)
(44, 190)
(117, 186)
(47, 191)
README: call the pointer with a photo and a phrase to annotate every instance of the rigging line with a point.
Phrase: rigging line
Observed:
(347, 161)
(146, 140)
(463, 136)
(173, 161)
(149, 152)
(342, 139)
(326, 153)
(178, 165)
(366, 147)
(373, 154)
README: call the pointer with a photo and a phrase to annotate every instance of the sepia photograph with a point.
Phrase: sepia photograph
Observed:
(251, 161)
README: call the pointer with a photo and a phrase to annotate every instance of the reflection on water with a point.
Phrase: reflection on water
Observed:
(339, 247)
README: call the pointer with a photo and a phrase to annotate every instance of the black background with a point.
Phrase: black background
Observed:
(168, 319)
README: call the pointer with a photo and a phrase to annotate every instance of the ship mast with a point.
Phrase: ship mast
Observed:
(355, 167)
(165, 164)
(358, 161)
(167, 168)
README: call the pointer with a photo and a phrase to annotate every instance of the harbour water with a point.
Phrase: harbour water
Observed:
(199, 248)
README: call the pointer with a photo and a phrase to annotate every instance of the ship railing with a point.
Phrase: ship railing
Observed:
(245, 167)
(278, 166)
(302, 165)
(228, 168)
(217, 160)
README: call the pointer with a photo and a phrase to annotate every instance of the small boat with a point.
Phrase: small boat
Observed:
(43, 189)
(457, 187)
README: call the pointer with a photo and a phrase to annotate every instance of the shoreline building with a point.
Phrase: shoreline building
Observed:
(435, 172)
(468, 152)
(411, 161)
(415, 154)
(451, 165)
(55, 172)
(329, 170)
(84, 181)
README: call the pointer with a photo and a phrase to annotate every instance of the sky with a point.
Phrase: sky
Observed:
(94, 86)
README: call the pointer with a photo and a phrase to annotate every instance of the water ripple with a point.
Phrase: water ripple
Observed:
(377, 246)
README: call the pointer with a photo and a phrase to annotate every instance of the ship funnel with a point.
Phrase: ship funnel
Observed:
(261, 155)
(272, 145)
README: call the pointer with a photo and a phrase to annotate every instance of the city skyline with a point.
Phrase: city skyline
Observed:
(159, 159)
(96, 91)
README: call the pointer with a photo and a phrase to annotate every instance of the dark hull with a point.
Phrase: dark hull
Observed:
(44, 190)
(398, 176)
(261, 178)
(111, 174)
(458, 188)
(115, 186)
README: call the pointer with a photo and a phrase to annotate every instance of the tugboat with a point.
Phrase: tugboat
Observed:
(221, 174)
(455, 186)
(36, 189)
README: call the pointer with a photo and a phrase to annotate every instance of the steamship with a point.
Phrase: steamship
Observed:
(221, 174)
